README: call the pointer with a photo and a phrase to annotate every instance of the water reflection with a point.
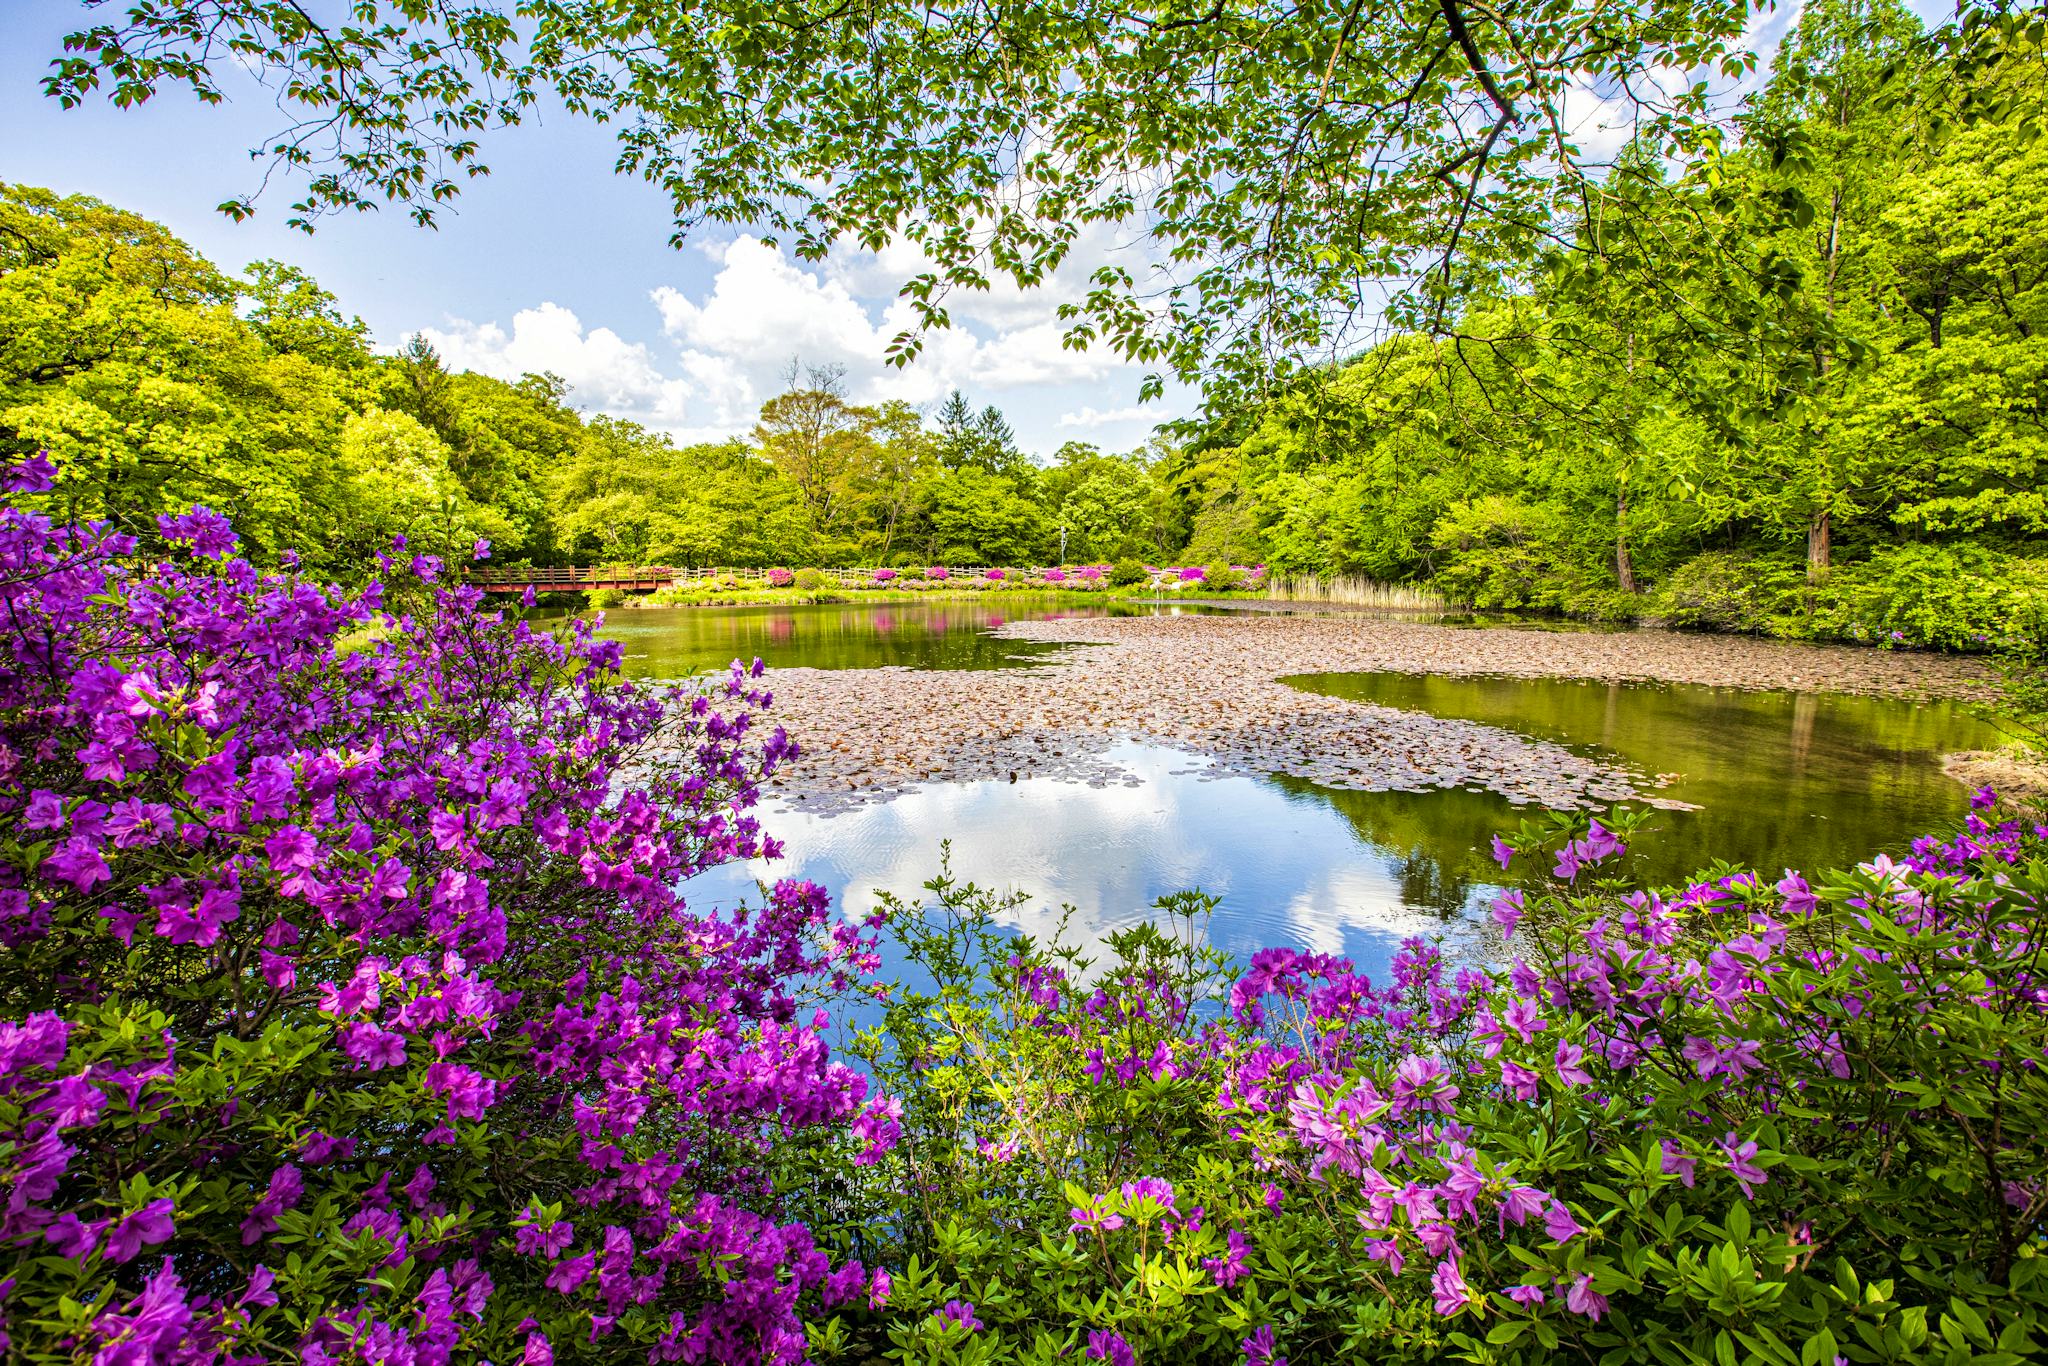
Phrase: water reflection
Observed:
(1290, 867)
(1779, 778)
(1802, 779)
(951, 633)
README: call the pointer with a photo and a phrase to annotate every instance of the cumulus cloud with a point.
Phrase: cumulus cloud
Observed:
(605, 370)
(725, 347)
(1094, 417)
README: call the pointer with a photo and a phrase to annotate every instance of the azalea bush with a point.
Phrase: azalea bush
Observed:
(1755, 1118)
(352, 1010)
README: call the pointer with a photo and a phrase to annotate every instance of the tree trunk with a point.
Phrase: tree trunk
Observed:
(1624, 570)
(1819, 546)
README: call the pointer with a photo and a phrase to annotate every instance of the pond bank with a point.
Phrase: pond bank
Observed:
(1211, 686)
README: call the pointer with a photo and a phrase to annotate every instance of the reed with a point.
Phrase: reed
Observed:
(1353, 590)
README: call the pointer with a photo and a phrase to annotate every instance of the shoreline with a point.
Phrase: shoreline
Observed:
(1210, 685)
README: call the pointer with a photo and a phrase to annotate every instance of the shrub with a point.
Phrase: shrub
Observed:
(937, 573)
(603, 598)
(1055, 576)
(1730, 591)
(1947, 597)
(354, 1014)
(1223, 577)
(809, 580)
(1089, 573)
(992, 575)
(1771, 1119)
(1124, 573)
(780, 578)
(1193, 573)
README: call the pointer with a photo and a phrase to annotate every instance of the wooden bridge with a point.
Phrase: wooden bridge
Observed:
(581, 578)
(647, 578)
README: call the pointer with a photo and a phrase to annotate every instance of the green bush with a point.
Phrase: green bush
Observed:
(1124, 573)
(809, 580)
(1222, 578)
(1731, 591)
(1959, 597)
(600, 598)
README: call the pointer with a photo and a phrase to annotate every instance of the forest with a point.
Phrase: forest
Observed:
(1830, 422)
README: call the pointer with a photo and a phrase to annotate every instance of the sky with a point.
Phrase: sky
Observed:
(553, 263)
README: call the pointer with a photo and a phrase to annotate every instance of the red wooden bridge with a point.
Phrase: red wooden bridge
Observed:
(629, 578)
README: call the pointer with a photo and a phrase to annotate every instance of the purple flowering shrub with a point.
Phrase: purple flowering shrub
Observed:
(1775, 1119)
(352, 1010)
(780, 578)
(884, 575)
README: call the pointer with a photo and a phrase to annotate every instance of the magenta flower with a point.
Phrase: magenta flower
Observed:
(1568, 1058)
(960, 1312)
(1449, 1288)
(1503, 852)
(128, 1236)
(1230, 1268)
(1104, 1345)
(1559, 1224)
(1580, 1298)
(1261, 1350)
(1742, 1164)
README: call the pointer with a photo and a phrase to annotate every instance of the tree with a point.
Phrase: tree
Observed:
(818, 440)
(290, 311)
(1291, 166)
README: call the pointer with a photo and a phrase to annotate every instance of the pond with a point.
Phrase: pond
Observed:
(1777, 778)
(949, 633)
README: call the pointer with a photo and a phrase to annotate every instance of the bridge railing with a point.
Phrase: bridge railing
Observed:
(648, 576)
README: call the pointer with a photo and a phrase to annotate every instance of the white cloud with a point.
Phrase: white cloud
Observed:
(604, 369)
(1094, 417)
(726, 347)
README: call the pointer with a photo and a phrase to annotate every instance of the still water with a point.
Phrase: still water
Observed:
(1778, 779)
(680, 642)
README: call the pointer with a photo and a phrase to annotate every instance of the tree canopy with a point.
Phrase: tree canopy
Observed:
(1299, 169)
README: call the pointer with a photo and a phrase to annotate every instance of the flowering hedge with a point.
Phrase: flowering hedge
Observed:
(884, 575)
(938, 572)
(352, 1010)
(1777, 1119)
(780, 578)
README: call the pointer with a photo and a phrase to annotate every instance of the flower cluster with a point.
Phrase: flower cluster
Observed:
(1789, 1108)
(355, 1010)
(780, 578)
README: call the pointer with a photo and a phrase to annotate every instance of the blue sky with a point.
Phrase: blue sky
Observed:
(554, 263)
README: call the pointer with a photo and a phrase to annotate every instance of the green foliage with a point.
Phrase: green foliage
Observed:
(1125, 573)
(809, 580)
(1735, 591)
(1222, 577)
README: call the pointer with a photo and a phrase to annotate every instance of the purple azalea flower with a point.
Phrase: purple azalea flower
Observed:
(1104, 1345)
(1260, 1348)
(1448, 1286)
